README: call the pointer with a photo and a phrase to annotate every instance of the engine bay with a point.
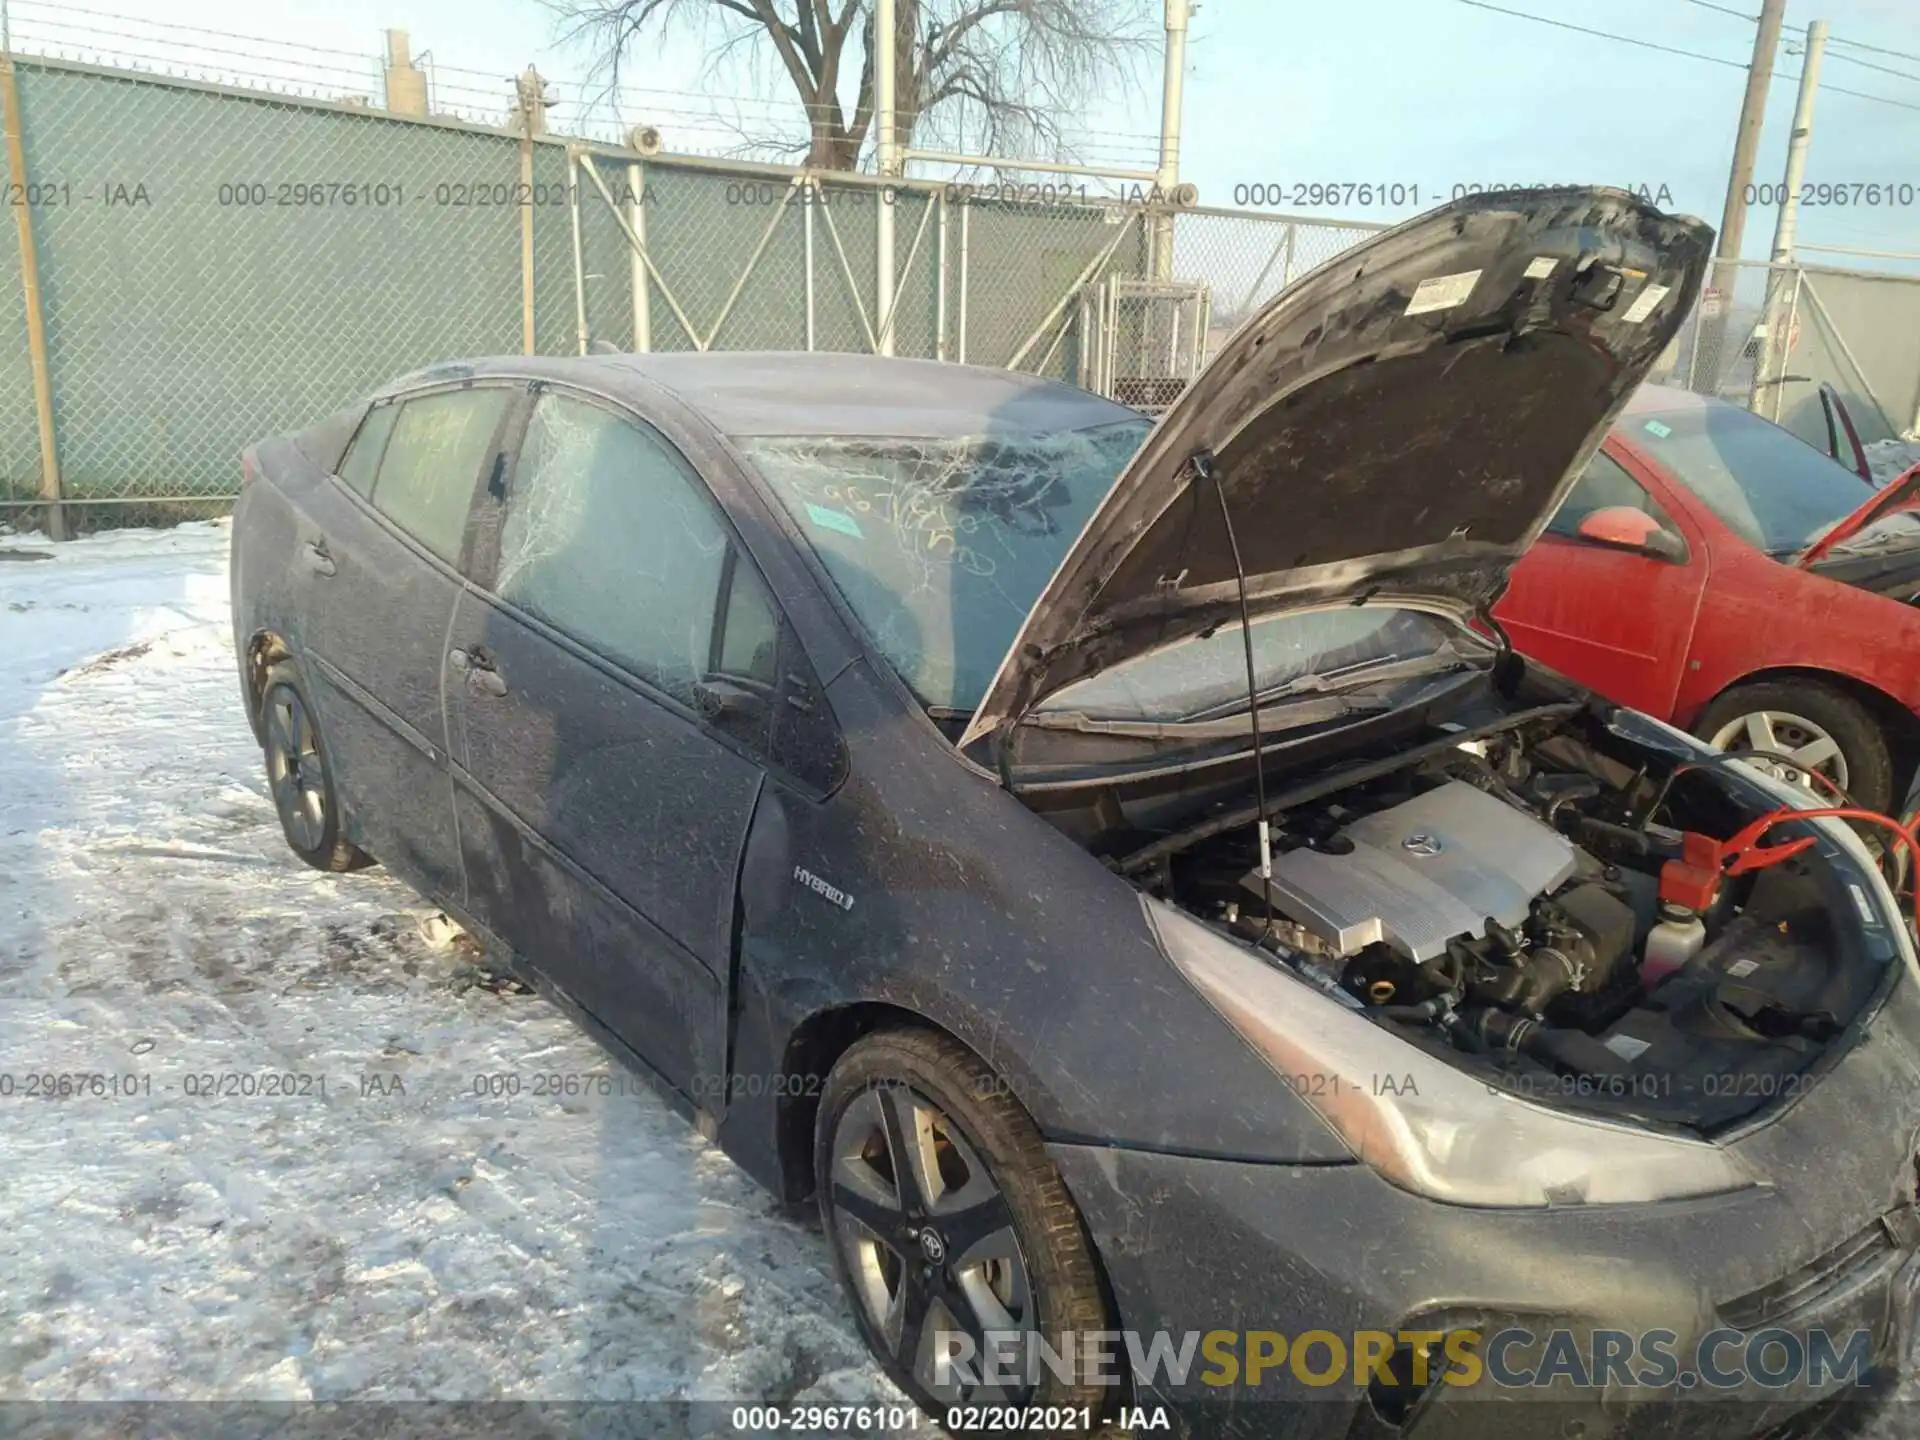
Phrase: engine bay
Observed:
(1507, 903)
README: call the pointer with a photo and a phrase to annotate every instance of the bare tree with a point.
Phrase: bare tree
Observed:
(993, 74)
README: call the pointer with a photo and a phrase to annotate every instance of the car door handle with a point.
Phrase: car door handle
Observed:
(318, 559)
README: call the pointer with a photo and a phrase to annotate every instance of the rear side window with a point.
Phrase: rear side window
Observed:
(363, 455)
(432, 460)
(609, 538)
(750, 633)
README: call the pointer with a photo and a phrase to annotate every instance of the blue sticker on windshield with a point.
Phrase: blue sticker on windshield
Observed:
(834, 520)
(1657, 430)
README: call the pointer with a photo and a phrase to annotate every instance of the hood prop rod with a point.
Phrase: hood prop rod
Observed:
(1204, 468)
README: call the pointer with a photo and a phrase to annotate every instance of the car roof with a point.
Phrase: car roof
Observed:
(747, 393)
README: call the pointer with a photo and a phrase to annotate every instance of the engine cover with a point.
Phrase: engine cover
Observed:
(1420, 873)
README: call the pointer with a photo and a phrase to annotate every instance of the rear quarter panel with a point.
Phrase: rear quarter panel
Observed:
(265, 530)
(1760, 614)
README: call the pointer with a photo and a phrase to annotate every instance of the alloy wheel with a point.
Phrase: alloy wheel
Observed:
(927, 1237)
(1799, 739)
(295, 770)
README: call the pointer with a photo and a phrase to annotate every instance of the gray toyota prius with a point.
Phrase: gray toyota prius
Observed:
(1119, 871)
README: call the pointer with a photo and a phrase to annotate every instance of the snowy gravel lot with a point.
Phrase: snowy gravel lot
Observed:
(399, 1238)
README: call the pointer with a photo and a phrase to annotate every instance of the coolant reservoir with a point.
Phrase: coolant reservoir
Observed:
(1678, 937)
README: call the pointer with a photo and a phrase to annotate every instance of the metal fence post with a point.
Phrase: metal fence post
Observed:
(30, 293)
(966, 219)
(940, 284)
(813, 201)
(636, 199)
(527, 91)
(887, 158)
(579, 252)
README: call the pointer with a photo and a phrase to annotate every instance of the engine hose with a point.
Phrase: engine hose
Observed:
(1570, 1051)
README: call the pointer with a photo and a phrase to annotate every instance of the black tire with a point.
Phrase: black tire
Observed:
(952, 1090)
(1851, 725)
(300, 776)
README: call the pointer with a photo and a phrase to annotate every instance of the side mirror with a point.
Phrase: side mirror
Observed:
(1621, 527)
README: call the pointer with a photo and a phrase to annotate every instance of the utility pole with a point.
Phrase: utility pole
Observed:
(1167, 173)
(1780, 284)
(1797, 143)
(1746, 143)
(887, 154)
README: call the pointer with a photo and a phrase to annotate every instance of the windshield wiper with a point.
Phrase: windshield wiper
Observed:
(1329, 682)
(1302, 710)
(1287, 707)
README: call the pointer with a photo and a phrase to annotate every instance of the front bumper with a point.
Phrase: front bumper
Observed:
(1209, 1246)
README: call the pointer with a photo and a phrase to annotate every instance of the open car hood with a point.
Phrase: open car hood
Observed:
(1403, 420)
(1902, 494)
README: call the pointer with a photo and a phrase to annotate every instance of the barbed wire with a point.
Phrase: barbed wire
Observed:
(698, 122)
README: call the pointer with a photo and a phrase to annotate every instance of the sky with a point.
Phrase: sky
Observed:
(1414, 97)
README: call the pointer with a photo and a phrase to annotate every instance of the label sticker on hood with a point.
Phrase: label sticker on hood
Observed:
(1540, 267)
(1442, 292)
(1643, 304)
(1657, 430)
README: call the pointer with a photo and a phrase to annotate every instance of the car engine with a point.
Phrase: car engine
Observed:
(1500, 902)
(1457, 876)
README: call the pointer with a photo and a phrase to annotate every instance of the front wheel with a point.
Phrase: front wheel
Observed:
(301, 777)
(1814, 727)
(953, 1233)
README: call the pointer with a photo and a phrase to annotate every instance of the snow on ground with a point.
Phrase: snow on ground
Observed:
(431, 1244)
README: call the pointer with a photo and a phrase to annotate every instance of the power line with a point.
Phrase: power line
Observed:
(64, 9)
(1687, 54)
(1603, 34)
(1726, 10)
(1862, 95)
(1869, 65)
(1831, 40)
(1872, 49)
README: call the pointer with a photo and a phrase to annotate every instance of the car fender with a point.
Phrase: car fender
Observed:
(922, 890)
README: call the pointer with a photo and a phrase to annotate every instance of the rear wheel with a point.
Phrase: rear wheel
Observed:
(949, 1225)
(1814, 726)
(300, 776)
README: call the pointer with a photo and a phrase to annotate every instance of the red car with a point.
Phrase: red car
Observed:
(1712, 569)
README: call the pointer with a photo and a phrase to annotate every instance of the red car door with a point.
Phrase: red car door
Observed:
(1613, 618)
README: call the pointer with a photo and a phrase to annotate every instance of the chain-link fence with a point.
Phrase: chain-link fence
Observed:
(218, 264)
(1771, 337)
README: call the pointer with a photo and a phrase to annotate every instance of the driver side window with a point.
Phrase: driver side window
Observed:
(1604, 484)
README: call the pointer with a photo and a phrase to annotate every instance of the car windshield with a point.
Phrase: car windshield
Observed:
(1307, 652)
(1771, 488)
(941, 546)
